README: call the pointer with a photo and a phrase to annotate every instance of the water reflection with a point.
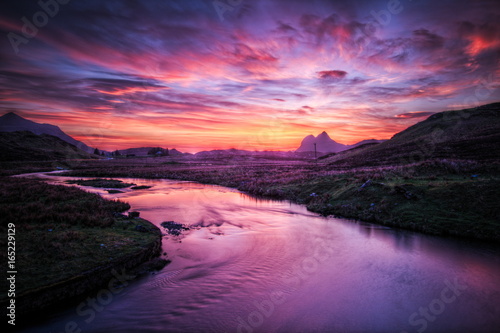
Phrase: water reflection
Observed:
(253, 265)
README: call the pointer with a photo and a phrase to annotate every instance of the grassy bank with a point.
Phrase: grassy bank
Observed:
(19, 167)
(64, 232)
(440, 197)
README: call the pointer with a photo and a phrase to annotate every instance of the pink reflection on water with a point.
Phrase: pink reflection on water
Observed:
(272, 266)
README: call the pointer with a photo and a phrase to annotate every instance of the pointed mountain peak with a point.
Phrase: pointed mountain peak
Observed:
(321, 143)
(13, 118)
(323, 134)
(11, 115)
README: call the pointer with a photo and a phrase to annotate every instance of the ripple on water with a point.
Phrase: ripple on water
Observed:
(333, 274)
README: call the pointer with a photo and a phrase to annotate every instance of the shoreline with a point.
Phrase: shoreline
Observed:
(415, 203)
(96, 248)
(361, 216)
(56, 295)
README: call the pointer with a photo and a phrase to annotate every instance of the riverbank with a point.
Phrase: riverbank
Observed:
(68, 242)
(242, 251)
(439, 197)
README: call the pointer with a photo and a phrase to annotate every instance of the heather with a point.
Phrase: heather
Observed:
(440, 196)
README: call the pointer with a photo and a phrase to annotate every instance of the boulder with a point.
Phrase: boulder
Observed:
(173, 228)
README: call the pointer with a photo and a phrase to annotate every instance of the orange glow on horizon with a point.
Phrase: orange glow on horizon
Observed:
(283, 138)
(254, 81)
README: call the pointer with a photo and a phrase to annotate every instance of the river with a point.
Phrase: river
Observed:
(253, 265)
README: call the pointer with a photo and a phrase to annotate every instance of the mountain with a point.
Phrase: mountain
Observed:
(324, 144)
(469, 134)
(27, 146)
(143, 151)
(175, 152)
(233, 153)
(219, 153)
(11, 122)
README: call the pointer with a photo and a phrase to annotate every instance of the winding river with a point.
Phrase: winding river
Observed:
(253, 265)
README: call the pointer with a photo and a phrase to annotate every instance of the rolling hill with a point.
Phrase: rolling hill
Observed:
(27, 146)
(11, 122)
(469, 134)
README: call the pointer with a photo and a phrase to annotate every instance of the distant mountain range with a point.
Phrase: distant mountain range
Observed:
(11, 122)
(324, 144)
(240, 153)
(472, 134)
(143, 151)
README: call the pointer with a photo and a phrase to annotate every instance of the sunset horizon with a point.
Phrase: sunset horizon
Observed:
(202, 75)
(250, 165)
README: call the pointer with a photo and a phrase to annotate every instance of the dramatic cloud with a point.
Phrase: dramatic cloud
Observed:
(120, 86)
(263, 74)
(335, 74)
(415, 114)
(427, 41)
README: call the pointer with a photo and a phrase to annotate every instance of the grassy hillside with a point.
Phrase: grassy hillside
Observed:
(26, 146)
(470, 134)
(62, 233)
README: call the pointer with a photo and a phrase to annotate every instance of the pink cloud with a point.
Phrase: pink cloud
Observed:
(332, 74)
(414, 114)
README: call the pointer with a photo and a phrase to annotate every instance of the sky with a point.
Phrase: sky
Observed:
(245, 74)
